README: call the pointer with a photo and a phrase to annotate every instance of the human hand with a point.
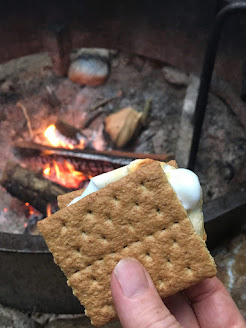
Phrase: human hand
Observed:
(205, 305)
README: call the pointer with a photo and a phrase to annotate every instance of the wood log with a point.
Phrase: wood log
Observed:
(30, 187)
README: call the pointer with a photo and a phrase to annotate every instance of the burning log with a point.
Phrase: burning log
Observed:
(30, 187)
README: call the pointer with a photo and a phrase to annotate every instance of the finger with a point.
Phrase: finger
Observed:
(213, 305)
(181, 310)
(136, 300)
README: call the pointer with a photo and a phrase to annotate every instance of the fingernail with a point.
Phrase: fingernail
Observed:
(131, 277)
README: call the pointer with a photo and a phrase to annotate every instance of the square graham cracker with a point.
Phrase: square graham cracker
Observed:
(138, 216)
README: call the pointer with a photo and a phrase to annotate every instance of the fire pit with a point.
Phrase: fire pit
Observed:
(53, 130)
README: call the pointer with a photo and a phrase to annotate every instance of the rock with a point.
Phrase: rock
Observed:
(122, 125)
(175, 76)
(231, 264)
(10, 318)
(158, 140)
(7, 86)
(90, 68)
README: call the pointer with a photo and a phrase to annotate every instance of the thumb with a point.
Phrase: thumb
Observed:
(136, 300)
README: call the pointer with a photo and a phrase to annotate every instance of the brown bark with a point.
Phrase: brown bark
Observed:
(30, 187)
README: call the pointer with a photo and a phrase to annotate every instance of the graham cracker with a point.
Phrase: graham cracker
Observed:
(65, 199)
(138, 216)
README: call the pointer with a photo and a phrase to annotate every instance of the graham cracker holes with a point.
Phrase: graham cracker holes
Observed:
(142, 184)
(94, 279)
(168, 261)
(109, 220)
(103, 237)
(175, 243)
(147, 256)
(158, 210)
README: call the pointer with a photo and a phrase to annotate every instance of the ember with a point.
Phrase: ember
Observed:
(30, 210)
(64, 174)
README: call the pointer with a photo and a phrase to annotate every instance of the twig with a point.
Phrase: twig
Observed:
(91, 118)
(146, 110)
(29, 126)
(105, 101)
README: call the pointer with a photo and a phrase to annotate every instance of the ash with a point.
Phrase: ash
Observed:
(222, 149)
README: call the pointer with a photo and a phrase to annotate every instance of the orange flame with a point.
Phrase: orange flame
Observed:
(48, 209)
(64, 174)
(56, 139)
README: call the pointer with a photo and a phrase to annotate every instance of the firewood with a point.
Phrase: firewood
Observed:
(30, 187)
(124, 125)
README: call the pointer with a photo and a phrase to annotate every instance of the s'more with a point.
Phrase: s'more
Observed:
(148, 210)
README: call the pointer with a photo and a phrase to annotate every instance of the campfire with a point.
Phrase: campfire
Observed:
(69, 113)
(71, 133)
(63, 173)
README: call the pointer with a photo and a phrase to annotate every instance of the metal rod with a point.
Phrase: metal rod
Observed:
(206, 75)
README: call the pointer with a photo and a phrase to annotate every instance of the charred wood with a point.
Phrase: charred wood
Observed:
(30, 187)
(69, 131)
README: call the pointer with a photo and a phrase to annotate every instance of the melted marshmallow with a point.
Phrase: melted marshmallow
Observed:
(186, 185)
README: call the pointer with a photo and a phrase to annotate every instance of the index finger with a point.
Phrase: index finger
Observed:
(213, 305)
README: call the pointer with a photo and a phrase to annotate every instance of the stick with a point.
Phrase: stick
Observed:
(80, 153)
(91, 118)
(105, 101)
(29, 126)
(146, 111)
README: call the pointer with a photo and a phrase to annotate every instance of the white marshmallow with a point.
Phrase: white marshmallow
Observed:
(104, 179)
(89, 190)
(186, 185)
